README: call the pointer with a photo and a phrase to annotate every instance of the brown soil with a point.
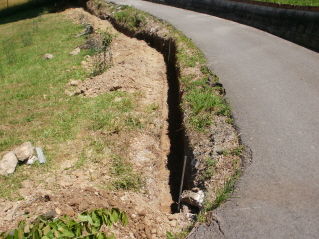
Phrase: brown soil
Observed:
(138, 69)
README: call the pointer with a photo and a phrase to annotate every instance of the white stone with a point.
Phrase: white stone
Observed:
(193, 198)
(25, 151)
(75, 82)
(8, 163)
(75, 51)
(48, 56)
(32, 159)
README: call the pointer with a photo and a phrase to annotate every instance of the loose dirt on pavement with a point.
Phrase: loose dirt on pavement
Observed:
(139, 70)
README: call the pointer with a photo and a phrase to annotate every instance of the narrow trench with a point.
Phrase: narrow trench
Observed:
(176, 136)
(178, 141)
(179, 147)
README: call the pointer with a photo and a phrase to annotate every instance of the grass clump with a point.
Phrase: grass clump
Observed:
(209, 170)
(204, 102)
(125, 177)
(130, 17)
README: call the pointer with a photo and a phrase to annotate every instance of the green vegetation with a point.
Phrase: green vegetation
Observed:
(209, 170)
(314, 3)
(87, 226)
(130, 16)
(124, 177)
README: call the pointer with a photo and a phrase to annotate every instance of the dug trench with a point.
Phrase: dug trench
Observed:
(179, 145)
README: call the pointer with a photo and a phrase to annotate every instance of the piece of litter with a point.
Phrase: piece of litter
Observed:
(40, 155)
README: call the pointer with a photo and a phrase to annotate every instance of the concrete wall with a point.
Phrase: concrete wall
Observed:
(297, 24)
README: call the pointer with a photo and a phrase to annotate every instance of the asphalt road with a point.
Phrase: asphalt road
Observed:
(273, 88)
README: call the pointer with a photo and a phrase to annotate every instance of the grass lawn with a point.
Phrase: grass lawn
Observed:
(294, 2)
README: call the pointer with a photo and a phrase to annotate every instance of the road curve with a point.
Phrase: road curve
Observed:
(273, 88)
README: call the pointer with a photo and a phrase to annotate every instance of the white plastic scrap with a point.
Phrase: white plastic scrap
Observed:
(40, 155)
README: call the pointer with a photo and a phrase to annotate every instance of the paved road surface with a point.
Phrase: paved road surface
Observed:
(273, 87)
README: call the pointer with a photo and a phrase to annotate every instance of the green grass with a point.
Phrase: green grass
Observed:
(124, 176)
(314, 3)
(130, 16)
(33, 104)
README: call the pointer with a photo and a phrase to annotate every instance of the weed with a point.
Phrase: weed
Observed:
(151, 108)
(238, 150)
(125, 178)
(131, 17)
(203, 100)
(224, 152)
(229, 121)
(209, 170)
(101, 53)
(88, 225)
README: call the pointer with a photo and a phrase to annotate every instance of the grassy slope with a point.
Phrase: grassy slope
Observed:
(33, 104)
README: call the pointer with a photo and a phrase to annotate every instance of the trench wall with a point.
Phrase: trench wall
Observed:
(296, 24)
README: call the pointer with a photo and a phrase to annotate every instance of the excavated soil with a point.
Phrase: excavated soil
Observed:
(137, 69)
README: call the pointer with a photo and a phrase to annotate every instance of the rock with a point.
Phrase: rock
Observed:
(48, 56)
(173, 223)
(75, 51)
(193, 198)
(25, 151)
(58, 211)
(32, 159)
(173, 216)
(69, 211)
(8, 163)
(69, 93)
(75, 82)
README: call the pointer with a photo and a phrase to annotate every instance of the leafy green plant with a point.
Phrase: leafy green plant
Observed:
(87, 226)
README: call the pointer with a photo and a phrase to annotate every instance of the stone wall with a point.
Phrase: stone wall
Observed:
(297, 24)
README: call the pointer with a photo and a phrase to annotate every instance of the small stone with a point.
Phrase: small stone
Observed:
(69, 211)
(75, 51)
(75, 82)
(32, 159)
(58, 211)
(153, 231)
(173, 217)
(193, 198)
(8, 163)
(25, 151)
(173, 223)
(69, 93)
(79, 91)
(48, 56)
